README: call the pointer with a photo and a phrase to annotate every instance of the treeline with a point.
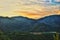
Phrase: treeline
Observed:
(24, 36)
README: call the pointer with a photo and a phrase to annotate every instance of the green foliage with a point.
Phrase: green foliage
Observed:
(24, 36)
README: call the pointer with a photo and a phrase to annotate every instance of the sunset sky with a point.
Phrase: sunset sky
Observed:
(29, 8)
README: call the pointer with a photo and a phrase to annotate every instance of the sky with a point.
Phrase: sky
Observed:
(29, 8)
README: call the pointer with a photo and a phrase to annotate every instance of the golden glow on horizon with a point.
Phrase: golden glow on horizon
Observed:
(14, 8)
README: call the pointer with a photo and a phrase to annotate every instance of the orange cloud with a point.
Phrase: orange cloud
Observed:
(28, 14)
(37, 14)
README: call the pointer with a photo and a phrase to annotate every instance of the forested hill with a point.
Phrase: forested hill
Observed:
(19, 23)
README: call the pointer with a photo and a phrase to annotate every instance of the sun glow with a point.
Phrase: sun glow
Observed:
(15, 8)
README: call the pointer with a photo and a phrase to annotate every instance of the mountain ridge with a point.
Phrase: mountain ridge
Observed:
(19, 23)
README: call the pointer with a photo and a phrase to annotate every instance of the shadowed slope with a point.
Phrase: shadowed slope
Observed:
(19, 23)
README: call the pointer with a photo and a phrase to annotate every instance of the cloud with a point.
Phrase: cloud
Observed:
(16, 8)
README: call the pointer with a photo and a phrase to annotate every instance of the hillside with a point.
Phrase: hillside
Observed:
(19, 23)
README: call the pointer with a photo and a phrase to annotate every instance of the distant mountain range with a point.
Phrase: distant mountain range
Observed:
(47, 24)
